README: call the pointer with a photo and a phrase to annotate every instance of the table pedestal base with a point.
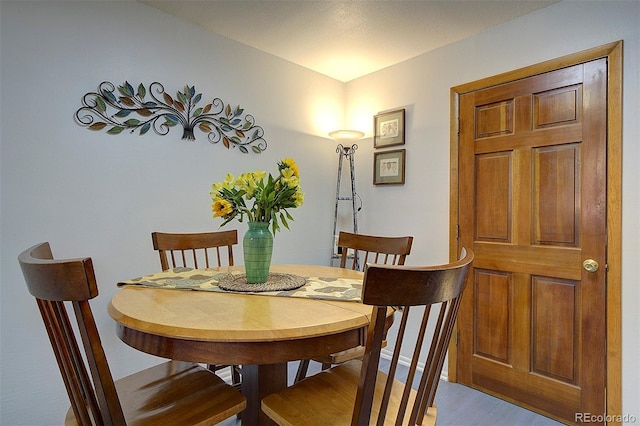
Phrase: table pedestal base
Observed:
(259, 381)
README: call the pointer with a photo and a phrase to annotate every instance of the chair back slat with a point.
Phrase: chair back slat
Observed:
(429, 298)
(368, 373)
(393, 365)
(371, 248)
(105, 389)
(54, 282)
(432, 368)
(195, 250)
(83, 395)
(416, 356)
(67, 353)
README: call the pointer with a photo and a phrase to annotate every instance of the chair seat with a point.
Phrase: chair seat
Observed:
(328, 398)
(164, 394)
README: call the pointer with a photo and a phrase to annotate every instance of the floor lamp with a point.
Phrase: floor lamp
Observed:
(346, 149)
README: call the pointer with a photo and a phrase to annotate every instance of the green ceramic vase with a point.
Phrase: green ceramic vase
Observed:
(257, 247)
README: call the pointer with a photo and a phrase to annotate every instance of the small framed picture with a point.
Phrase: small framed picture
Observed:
(389, 129)
(388, 167)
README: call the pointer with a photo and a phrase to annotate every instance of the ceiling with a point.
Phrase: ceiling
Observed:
(347, 39)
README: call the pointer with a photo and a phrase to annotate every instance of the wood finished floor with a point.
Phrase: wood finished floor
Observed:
(459, 405)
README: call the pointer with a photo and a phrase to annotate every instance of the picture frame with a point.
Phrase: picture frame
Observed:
(389, 167)
(388, 128)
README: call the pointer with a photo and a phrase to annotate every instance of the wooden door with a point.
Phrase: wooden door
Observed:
(532, 205)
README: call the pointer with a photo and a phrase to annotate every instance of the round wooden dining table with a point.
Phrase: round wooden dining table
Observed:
(261, 333)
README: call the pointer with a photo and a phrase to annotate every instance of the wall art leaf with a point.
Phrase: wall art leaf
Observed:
(109, 107)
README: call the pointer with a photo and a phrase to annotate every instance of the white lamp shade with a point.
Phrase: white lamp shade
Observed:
(346, 135)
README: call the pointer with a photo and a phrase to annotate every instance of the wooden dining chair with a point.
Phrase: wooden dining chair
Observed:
(197, 250)
(358, 249)
(356, 392)
(169, 393)
(355, 250)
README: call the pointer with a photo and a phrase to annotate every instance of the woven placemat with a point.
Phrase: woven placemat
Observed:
(275, 282)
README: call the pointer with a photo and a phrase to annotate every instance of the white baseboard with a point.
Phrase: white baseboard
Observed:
(386, 354)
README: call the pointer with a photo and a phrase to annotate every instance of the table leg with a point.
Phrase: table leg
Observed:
(259, 381)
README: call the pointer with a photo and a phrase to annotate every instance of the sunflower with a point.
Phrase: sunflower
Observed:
(289, 163)
(221, 207)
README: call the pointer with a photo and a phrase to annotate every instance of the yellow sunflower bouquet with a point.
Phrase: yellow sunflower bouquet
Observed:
(259, 196)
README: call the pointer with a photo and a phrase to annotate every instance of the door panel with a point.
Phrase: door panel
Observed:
(493, 195)
(493, 292)
(556, 183)
(532, 196)
(553, 306)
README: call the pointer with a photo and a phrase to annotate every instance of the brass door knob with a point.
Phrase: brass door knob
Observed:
(590, 265)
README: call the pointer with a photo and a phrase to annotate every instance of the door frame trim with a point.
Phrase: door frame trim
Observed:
(613, 53)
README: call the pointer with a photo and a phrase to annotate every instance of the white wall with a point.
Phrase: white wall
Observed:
(422, 86)
(91, 194)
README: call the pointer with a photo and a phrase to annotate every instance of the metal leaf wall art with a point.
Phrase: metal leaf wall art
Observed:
(142, 110)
